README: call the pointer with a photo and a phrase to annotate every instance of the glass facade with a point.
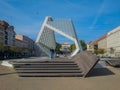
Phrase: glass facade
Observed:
(46, 38)
(65, 26)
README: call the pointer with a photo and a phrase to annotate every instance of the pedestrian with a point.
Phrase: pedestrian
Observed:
(51, 53)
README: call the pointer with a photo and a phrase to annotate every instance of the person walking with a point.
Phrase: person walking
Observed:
(51, 53)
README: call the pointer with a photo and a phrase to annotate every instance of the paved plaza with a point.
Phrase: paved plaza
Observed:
(99, 79)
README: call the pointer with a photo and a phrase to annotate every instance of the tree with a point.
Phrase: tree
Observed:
(72, 47)
(1, 48)
(13, 48)
(83, 44)
(96, 49)
(1, 51)
(57, 49)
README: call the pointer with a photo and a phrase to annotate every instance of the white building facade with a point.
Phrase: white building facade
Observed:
(102, 43)
(113, 42)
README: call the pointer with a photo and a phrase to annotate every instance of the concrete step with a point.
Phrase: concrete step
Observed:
(43, 66)
(50, 74)
(44, 61)
(48, 71)
(62, 68)
(47, 68)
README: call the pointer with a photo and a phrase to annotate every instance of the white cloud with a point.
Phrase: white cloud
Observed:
(98, 15)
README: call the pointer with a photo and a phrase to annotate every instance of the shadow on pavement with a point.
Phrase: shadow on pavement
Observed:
(7, 73)
(100, 72)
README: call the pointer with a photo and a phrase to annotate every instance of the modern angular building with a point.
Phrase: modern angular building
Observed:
(46, 37)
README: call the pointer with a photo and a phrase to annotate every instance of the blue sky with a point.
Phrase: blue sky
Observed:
(91, 18)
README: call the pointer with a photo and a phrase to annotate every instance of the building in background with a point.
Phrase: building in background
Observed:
(2, 35)
(25, 42)
(113, 42)
(92, 46)
(3, 26)
(109, 42)
(14, 45)
(102, 43)
(9, 36)
(65, 48)
(9, 33)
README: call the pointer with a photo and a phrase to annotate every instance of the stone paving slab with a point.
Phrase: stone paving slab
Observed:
(100, 79)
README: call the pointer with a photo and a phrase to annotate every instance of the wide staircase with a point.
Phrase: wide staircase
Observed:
(80, 65)
(47, 68)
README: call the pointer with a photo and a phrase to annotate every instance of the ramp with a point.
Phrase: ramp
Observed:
(114, 63)
(86, 61)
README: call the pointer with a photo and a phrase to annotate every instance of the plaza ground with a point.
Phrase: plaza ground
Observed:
(99, 79)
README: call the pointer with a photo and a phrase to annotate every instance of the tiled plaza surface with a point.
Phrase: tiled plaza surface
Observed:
(99, 79)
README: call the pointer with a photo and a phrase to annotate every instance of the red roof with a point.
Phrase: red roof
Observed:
(4, 23)
(102, 37)
(96, 41)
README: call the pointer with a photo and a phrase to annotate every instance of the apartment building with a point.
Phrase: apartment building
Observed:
(9, 36)
(7, 33)
(24, 41)
(2, 35)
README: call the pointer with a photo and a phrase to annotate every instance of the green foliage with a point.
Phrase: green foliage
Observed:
(99, 51)
(14, 51)
(72, 47)
(1, 48)
(57, 49)
(83, 44)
